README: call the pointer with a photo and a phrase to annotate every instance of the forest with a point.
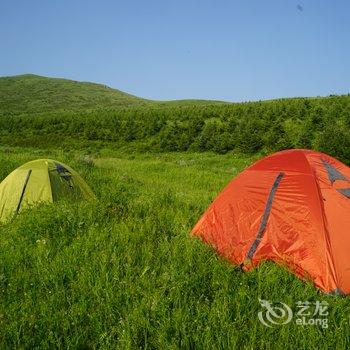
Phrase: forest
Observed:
(265, 126)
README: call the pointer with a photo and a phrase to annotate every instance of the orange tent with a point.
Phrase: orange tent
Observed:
(292, 207)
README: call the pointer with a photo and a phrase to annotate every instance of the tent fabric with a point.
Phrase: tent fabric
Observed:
(307, 227)
(42, 180)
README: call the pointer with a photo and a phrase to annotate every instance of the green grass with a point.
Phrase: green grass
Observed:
(32, 94)
(124, 273)
(49, 112)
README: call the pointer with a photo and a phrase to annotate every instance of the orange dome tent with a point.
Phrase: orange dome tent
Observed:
(292, 207)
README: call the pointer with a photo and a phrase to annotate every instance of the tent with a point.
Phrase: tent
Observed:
(42, 180)
(292, 207)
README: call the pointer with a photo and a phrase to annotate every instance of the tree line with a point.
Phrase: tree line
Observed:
(318, 123)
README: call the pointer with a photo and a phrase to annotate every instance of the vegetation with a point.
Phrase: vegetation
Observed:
(124, 272)
(32, 94)
(44, 112)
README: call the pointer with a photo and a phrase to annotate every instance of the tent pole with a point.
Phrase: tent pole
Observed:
(23, 190)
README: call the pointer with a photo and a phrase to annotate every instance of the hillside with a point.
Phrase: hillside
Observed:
(45, 112)
(33, 94)
(36, 94)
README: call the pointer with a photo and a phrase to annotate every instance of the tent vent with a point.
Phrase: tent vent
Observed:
(333, 173)
(64, 174)
(344, 191)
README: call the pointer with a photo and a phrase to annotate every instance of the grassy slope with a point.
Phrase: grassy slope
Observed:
(124, 272)
(32, 94)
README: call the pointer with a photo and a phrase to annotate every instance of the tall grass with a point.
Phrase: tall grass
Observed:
(124, 272)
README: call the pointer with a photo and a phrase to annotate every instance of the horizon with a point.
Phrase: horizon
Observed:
(172, 100)
(223, 51)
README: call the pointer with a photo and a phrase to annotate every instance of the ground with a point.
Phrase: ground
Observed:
(124, 272)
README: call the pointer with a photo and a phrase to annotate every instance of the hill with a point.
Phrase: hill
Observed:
(35, 94)
(45, 112)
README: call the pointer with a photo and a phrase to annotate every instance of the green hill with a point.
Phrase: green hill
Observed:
(45, 112)
(35, 94)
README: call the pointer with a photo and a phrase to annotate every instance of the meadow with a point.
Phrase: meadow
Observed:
(124, 272)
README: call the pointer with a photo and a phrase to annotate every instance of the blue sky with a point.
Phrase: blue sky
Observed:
(160, 49)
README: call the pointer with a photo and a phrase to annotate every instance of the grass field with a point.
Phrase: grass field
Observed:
(125, 273)
(33, 94)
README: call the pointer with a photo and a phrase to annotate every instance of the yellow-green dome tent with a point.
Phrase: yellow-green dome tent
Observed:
(42, 180)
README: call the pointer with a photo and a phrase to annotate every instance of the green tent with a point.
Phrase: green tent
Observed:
(42, 180)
